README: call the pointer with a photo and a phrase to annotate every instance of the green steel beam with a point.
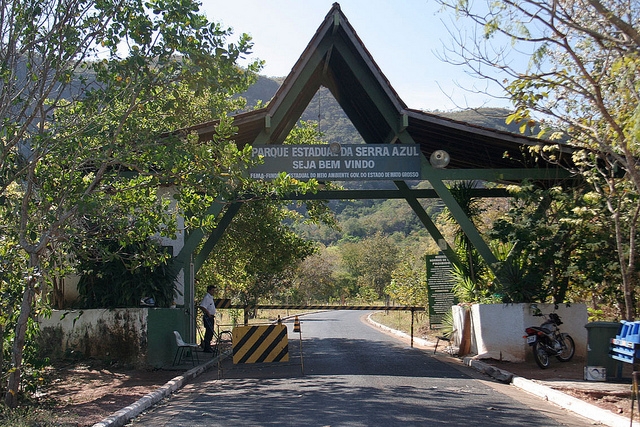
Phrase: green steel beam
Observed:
(429, 225)
(492, 175)
(184, 262)
(465, 223)
(195, 237)
(435, 178)
(215, 235)
(389, 194)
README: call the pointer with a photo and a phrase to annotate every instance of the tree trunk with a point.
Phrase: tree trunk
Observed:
(627, 284)
(628, 299)
(17, 350)
(626, 274)
(631, 279)
(1, 357)
(627, 281)
(465, 338)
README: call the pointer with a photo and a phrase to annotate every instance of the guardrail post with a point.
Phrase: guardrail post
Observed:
(412, 311)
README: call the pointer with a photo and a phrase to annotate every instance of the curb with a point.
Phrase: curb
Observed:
(121, 417)
(495, 373)
(558, 398)
(420, 341)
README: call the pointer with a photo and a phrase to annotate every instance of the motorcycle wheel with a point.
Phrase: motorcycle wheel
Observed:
(540, 355)
(568, 348)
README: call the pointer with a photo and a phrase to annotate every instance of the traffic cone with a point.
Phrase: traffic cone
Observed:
(296, 325)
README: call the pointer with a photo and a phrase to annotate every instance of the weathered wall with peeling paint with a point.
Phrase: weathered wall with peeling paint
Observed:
(134, 336)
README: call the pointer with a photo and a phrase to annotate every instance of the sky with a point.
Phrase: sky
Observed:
(403, 36)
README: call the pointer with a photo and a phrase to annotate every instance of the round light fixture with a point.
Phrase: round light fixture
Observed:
(335, 148)
(439, 159)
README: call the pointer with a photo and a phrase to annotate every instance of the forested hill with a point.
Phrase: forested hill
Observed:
(336, 127)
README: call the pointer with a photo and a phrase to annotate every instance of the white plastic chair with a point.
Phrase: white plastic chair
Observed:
(182, 347)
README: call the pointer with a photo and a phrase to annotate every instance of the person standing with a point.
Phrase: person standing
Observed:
(208, 308)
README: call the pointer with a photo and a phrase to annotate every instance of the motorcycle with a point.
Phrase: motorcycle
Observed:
(546, 340)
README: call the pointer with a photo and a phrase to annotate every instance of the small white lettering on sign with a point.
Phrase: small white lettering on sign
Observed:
(350, 161)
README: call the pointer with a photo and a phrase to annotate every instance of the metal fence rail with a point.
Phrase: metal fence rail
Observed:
(227, 304)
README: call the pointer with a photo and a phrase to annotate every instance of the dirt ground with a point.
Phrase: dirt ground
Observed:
(82, 395)
(568, 378)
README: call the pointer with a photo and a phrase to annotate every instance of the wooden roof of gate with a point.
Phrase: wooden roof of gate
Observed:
(337, 59)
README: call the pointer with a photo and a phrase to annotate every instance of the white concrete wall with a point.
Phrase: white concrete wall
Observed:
(497, 330)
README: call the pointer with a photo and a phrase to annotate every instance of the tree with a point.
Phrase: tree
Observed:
(408, 284)
(563, 241)
(84, 89)
(371, 262)
(583, 78)
(256, 257)
(251, 260)
(135, 274)
(314, 279)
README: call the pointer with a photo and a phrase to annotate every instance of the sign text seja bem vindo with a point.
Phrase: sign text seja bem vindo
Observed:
(338, 162)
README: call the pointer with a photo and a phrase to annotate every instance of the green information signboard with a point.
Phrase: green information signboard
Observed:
(346, 162)
(439, 288)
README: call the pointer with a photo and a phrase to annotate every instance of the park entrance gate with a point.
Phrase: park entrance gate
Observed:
(437, 149)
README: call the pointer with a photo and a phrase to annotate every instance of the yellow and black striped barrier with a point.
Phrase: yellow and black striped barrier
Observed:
(260, 344)
(223, 303)
(296, 324)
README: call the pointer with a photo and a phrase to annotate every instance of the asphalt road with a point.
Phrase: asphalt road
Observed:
(354, 375)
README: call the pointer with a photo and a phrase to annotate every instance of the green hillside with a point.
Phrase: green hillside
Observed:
(336, 126)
